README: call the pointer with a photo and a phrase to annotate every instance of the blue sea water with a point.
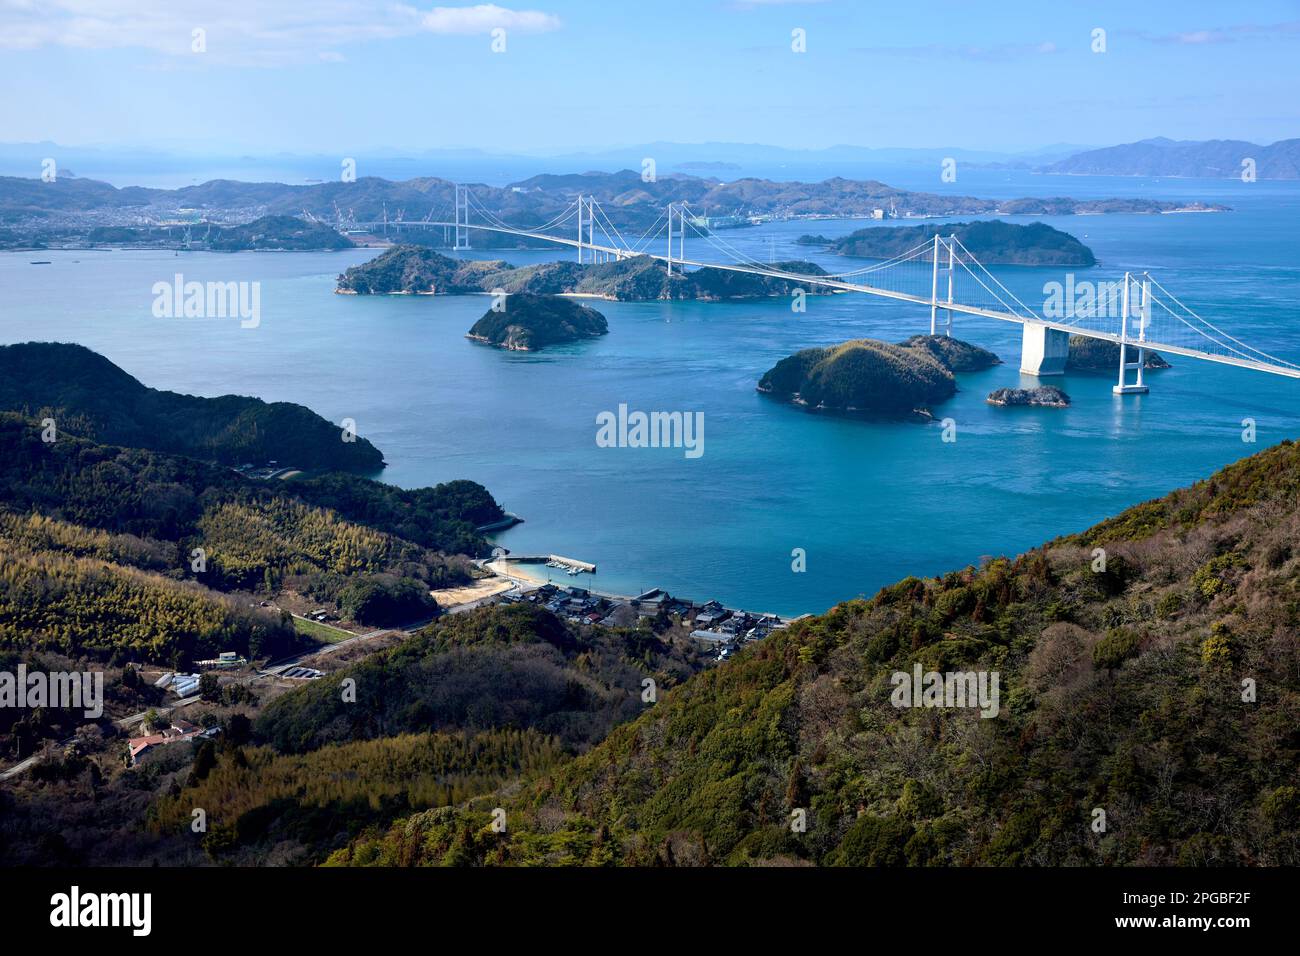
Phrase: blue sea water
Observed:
(869, 502)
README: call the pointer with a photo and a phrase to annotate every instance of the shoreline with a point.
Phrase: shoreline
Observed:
(508, 570)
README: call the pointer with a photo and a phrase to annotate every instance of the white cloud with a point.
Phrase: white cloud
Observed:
(1240, 32)
(245, 31)
(486, 17)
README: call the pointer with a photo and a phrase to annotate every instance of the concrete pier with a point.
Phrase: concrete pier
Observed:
(551, 558)
(1043, 351)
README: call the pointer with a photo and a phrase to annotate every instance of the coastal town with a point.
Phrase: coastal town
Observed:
(719, 629)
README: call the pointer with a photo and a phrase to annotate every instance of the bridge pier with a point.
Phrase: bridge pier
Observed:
(1043, 350)
(1143, 315)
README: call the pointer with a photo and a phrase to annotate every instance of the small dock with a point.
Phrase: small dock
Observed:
(553, 560)
(572, 563)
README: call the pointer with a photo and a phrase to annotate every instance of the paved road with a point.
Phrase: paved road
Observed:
(270, 670)
(124, 723)
(18, 768)
(275, 668)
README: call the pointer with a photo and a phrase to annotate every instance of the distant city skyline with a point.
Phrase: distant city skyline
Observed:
(350, 76)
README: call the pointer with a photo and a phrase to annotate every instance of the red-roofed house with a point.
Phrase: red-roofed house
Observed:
(179, 730)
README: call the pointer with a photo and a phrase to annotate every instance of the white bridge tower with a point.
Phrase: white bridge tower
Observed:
(1141, 291)
(936, 254)
(462, 217)
(679, 210)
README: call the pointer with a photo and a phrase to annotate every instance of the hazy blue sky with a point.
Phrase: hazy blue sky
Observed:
(349, 75)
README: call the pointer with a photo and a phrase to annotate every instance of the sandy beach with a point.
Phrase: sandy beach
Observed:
(515, 571)
(448, 598)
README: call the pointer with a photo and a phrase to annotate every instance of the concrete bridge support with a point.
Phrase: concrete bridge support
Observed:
(1043, 351)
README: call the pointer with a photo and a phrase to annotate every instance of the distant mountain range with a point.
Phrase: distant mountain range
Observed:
(1209, 159)
(156, 167)
(728, 161)
(66, 210)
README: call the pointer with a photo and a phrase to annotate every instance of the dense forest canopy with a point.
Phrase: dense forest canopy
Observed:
(89, 396)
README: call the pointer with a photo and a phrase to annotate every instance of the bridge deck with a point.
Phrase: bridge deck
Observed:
(843, 286)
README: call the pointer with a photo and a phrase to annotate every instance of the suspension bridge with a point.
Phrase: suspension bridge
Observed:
(1136, 312)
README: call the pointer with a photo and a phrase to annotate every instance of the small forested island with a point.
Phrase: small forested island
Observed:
(1045, 396)
(405, 270)
(530, 322)
(419, 270)
(863, 375)
(1098, 355)
(89, 396)
(278, 232)
(953, 354)
(992, 242)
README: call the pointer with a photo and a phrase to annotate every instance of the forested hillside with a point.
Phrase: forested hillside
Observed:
(512, 665)
(88, 396)
(85, 607)
(100, 545)
(306, 804)
(141, 492)
(1160, 687)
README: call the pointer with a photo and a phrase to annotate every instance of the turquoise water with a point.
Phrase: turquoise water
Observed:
(868, 502)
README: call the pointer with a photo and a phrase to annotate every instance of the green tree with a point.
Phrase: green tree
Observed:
(204, 762)
(210, 688)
